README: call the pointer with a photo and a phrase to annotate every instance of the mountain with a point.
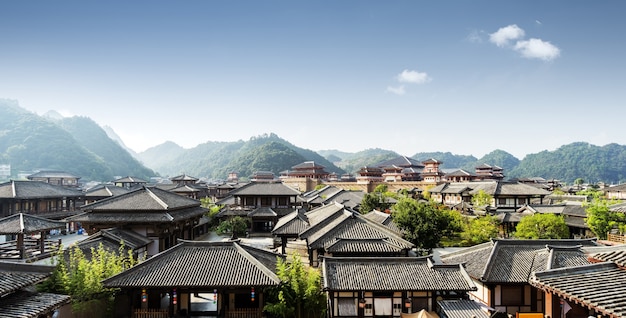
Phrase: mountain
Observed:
(115, 137)
(352, 162)
(216, 159)
(576, 160)
(499, 158)
(159, 156)
(450, 161)
(76, 145)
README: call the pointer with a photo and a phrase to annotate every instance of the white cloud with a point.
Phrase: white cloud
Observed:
(414, 77)
(504, 35)
(396, 90)
(537, 49)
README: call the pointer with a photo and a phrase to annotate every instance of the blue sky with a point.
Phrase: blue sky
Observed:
(467, 77)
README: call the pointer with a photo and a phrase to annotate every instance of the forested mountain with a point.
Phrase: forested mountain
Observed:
(498, 158)
(161, 155)
(30, 142)
(351, 163)
(217, 159)
(450, 161)
(576, 160)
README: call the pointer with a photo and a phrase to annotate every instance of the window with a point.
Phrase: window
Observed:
(282, 201)
(266, 201)
(521, 201)
(501, 201)
(346, 307)
(512, 295)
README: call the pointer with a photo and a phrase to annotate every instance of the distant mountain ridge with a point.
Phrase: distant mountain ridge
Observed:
(80, 146)
(77, 145)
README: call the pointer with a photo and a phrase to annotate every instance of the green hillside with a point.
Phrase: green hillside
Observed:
(29, 142)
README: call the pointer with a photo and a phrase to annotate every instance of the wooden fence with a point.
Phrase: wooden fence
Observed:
(244, 313)
(150, 313)
(618, 238)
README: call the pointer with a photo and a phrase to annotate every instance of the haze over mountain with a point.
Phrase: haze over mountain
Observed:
(80, 146)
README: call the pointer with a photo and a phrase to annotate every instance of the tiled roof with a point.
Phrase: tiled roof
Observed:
(184, 177)
(393, 274)
(617, 255)
(129, 179)
(600, 286)
(131, 239)
(620, 207)
(265, 189)
(291, 224)
(307, 165)
(25, 304)
(192, 264)
(105, 190)
(26, 223)
(35, 190)
(143, 199)
(459, 173)
(512, 261)
(351, 225)
(15, 276)
(121, 216)
(263, 212)
(349, 199)
(463, 308)
(52, 174)
(364, 246)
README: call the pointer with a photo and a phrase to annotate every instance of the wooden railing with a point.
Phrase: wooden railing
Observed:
(618, 238)
(244, 313)
(150, 313)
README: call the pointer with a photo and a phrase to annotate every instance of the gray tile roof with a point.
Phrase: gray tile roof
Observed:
(115, 217)
(116, 236)
(25, 304)
(265, 189)
(129, 179)
(15, 276)
(26, 223)
(463, 308)
(512, 261)
(393, 274)
(350, 199)
(365, 246)
(35, 190)
(601, 286)
(105, 190)
(291, 224)
(143, 199)
(263, 212)
(52, 174)
(193, 264)
(617, 255)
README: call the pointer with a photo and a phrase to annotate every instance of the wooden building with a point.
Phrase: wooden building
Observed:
(157, 214)
(220, 279)
(60, 178)
(390, 286)
(38, 198)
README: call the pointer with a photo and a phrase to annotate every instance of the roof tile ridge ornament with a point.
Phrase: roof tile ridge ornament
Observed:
(13, 188)
(156, 198)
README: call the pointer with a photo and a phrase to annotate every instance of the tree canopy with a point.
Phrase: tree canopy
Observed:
(424, 223)
(601, 220)
(542, 226)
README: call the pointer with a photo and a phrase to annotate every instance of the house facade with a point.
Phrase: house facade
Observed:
(390, 286)
(501, 270)
(193, 278)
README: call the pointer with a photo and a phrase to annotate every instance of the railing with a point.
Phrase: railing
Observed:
(618, 238)
(244, 313)
(150, 313)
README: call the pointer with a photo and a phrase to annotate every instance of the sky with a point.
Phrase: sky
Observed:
(467, 77)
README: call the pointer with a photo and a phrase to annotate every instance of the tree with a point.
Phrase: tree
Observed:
(482, 199)
(542, 226)
(601, 219)
(423, 224)
(81, 277)
(376, 200)
(479, 230)
(300, 294)
(237, 226)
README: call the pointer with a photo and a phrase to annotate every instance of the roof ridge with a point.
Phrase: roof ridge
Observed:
(156, 198)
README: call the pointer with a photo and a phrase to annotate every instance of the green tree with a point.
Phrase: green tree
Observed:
(300, 294)
(542, 226)
(601, 219)
(479, 230)
(237, 226)
(482, 199)
(424, 224)
(81, 277)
